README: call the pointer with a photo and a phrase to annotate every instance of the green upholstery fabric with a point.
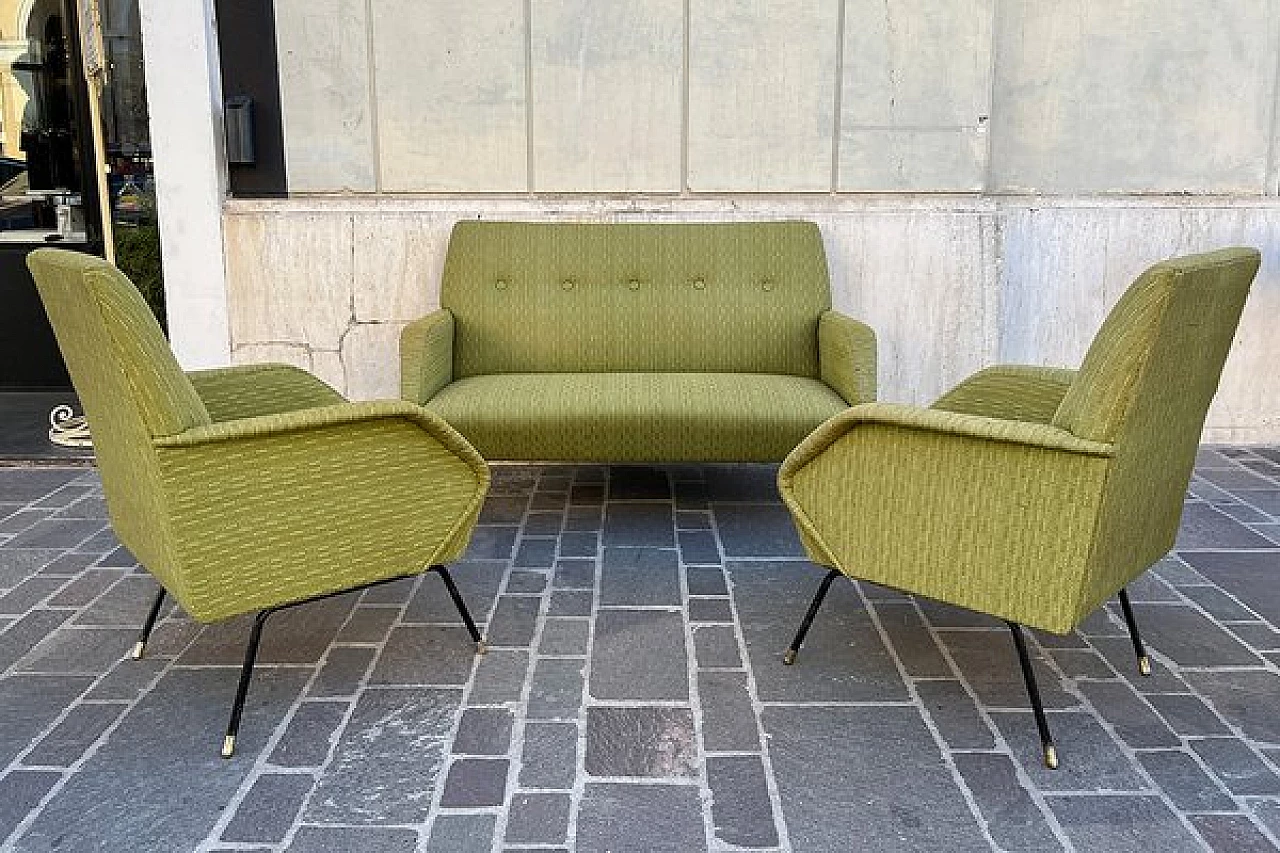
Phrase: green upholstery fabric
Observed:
(131, 339)
(1018, 508)
(1014, 391)
(636, 342)
(600, 298)
(261, 507)
(426, 356)
(249, 390)
(631, 417)
(847, 357)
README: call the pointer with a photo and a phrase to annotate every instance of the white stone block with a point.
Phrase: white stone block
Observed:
(290, 278)
(398, 261)
(925, 282)
(762, 78)
(298, 355)
(326, 365)
(370, 356)
(325, 95)
(450, 95)
(607, 95)
(1133, 95)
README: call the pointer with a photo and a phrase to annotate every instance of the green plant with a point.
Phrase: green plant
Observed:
(138, 257)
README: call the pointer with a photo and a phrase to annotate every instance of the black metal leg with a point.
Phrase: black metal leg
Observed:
(1033, 691)
(140, 646)
(789, 657)
(242, 690)
(462, 609)
(1144, 662)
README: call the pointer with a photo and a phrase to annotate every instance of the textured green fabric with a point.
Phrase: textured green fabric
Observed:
(249, 390)
(1014, 391)
(847, 357)
(1028, 520)
(70, 285)
(165, 399)
(630, 417)
(282, 507)
(593, 298)
(986, 514)
(262, 508)
(1157, 433)
(426, 356)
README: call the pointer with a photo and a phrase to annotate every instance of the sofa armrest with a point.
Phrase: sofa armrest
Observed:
(426, 356)
(1012, 391)
(847, 357)
(250, 390)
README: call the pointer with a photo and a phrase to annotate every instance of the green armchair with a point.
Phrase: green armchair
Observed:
(1030, 494)
(252, 489)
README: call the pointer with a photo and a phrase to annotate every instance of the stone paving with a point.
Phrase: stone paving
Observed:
(633, 698)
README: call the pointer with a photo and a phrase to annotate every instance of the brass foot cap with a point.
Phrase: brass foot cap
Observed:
(1051, 757)
(1144, 665)
(228, 746)
(482, 647)
(138, 648)
(789, 657)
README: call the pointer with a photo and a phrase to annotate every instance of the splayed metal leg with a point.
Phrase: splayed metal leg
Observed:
(1033, 692)
(789, 657)
(481, 648)
(141, 646)
(1144, 662)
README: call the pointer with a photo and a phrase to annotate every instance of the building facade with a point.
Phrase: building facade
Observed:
(988, 175)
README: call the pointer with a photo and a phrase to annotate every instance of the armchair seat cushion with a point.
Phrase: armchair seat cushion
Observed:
(631, 417)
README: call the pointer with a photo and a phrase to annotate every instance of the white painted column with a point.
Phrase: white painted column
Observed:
(184, 97)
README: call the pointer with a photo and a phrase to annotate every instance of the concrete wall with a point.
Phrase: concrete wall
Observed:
(669, 96)
(950, 284)
(988, 175)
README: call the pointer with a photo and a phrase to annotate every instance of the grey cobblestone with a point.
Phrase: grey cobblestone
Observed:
(633, 697)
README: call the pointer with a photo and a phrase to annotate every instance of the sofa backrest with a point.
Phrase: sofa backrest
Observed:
(572, 298)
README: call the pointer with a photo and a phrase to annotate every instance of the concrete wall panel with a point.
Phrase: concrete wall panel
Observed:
(450, 88)
(1134, 95)
(911, 64)
(893, 160)
(762, 77)
(325, 95)
(607, 86)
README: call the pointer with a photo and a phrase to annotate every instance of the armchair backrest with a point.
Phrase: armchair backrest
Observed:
(128, 381)
(1146, 384)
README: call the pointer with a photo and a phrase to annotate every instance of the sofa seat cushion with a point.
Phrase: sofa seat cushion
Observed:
(630, 417)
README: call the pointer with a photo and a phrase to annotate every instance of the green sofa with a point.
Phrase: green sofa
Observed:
(636, 342)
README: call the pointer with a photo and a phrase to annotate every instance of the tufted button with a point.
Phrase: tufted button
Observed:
(501, 284)
(634, 284)
(699, 284)
(567, 284)
(767, 284)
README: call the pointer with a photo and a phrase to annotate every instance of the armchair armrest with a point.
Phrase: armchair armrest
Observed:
(914, 418)
(1013, 391)
(948, 505)
(292, 505)
(426, 356)
(847, 357)
(250, 390)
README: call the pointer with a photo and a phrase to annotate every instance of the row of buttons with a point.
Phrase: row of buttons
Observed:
(634, 284)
